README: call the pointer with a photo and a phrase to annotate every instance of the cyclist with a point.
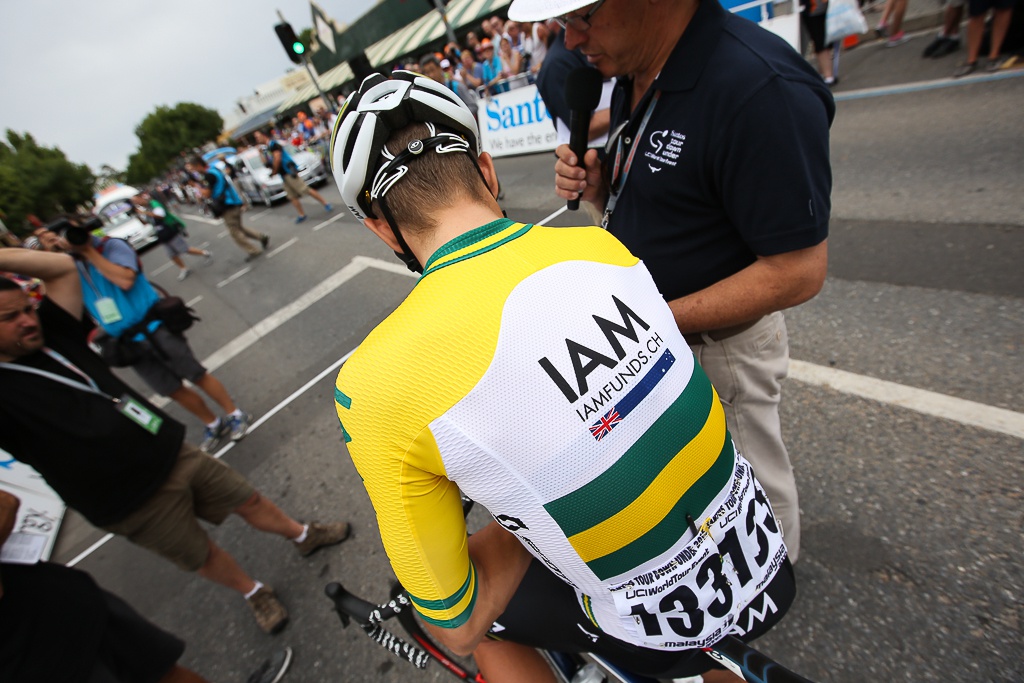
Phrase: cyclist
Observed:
(539, 371)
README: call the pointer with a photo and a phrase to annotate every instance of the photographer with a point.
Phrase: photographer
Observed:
(226, 204)
(170, 232)
(118, 297)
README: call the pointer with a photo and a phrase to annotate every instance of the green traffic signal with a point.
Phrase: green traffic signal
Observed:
(298, 48)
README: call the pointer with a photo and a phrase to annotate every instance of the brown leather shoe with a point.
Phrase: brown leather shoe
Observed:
(320, 535)
(269, 612)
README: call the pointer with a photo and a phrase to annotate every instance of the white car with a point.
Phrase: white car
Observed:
(115, 209)
(253, 176)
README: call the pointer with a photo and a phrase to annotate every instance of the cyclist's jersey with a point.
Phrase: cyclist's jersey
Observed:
(540, 371)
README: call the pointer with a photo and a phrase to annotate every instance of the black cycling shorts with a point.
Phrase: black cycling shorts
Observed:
(544, 613)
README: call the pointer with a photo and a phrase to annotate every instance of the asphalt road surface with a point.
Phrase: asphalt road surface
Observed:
(904, 413)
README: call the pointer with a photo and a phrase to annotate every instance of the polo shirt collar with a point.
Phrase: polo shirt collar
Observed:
(690, 55)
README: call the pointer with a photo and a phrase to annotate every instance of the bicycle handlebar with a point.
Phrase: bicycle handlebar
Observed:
(368, 616)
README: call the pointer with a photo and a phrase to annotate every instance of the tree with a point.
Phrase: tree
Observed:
(306, 38)
(39, 180)
(167, 131)
(108, 175)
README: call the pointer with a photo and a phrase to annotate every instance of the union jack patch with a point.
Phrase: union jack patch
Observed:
(605, 424)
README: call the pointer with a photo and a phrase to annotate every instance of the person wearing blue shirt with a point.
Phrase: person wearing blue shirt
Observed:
(226, 204)
(118, 296)
(281, 163)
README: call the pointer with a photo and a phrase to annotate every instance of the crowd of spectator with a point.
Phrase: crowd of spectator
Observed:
(500, 56)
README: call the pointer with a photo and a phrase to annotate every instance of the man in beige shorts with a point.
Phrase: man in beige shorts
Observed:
(294, 187)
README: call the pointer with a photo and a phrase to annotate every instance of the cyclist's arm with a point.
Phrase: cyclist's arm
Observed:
(500, 561)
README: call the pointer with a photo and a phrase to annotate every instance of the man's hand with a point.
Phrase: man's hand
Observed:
(571, 180)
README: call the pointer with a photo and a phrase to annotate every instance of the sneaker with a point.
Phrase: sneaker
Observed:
(272, 669)
(239, 425)
(207, 256)
(948, 47)
(183, 273)
(934, 46)
(882, 31)
(320, 535)
(1000, 63)
(328, 208)
(264, 240)
(965, 69)
(831, 81)
(213, 436)
(269, 612)
(897, 39)
(300, 219)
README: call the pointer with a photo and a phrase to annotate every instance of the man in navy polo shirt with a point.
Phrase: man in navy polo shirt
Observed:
(718, 177)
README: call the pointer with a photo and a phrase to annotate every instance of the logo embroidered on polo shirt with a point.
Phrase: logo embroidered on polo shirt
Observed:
(666, 145)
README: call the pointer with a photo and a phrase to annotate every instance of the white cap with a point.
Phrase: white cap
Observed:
(538, 10)
(445, 64)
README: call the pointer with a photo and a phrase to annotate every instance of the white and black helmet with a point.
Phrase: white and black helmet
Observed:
(363, 168)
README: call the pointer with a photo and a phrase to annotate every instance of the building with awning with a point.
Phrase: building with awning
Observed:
(337, 76)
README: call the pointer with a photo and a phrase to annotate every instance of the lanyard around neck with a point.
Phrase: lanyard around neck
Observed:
(90, 387)
(620, 171)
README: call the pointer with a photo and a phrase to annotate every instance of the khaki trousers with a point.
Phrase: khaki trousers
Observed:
(747, 372)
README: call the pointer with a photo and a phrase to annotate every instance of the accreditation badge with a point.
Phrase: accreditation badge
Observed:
(139, 414)
(108, 311)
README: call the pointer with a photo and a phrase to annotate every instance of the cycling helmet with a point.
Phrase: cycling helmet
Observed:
(363, 168)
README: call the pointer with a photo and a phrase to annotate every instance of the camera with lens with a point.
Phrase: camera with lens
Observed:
(76, 235)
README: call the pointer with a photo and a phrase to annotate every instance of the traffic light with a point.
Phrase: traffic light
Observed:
(292, 45)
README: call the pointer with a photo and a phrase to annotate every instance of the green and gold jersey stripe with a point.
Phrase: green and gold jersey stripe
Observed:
(673, 526)
(632, 498)
(453, 611)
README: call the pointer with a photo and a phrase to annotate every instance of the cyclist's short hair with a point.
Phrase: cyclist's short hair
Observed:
(434, 182)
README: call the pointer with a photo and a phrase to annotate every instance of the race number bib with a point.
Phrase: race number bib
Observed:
(693, 600)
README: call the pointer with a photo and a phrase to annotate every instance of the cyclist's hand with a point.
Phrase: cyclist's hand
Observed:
(571, 180)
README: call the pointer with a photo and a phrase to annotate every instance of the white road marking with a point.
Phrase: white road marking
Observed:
(222, 235)
(283, 247)
(920, 400)
(201, 219)
(157, 271)
(260, 214)
(193, 302)
(234, 277)
(329, 221)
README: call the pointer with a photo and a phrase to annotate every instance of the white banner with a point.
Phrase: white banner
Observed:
(515, 122)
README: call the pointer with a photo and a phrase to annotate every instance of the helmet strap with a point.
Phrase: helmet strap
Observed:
(408, 258)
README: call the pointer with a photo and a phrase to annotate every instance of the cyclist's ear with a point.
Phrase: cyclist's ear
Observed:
(490, 173)
(381, 229)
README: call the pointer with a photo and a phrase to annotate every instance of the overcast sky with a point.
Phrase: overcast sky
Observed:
(82, 75)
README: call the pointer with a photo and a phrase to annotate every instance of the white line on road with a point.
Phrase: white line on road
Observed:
(222, 235)
(329, 221)
(283, 247)
(234, 277)
(157, 271)
(202, 219)
(920, 400)
(259, 215)
(193, 302)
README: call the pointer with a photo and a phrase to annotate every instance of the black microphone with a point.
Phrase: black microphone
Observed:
(582, 94)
